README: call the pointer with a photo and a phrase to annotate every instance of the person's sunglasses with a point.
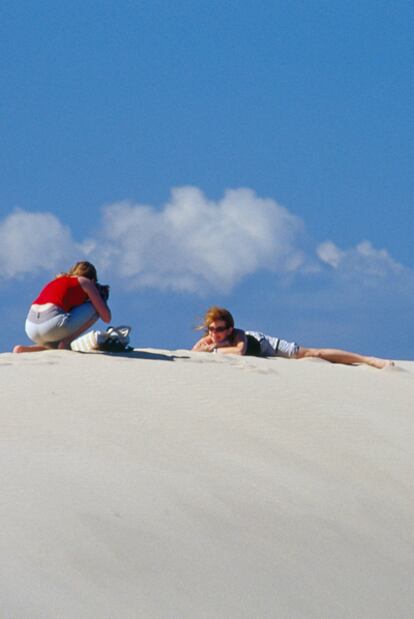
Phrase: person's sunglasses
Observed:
(217, 329)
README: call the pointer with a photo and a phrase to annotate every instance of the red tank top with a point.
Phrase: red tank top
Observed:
(65, 292)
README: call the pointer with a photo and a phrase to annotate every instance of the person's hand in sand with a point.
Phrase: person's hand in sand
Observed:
(66, 307)
(222, 337)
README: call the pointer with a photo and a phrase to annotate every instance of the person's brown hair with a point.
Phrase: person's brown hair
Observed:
(217, 313)
(83, 269)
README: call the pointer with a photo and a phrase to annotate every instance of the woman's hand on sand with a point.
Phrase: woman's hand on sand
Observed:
(208, 347)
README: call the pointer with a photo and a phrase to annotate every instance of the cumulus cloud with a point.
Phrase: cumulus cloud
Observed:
(329, 253)
(191, 244)
(195, 244)
(363, 260)
(31, 242)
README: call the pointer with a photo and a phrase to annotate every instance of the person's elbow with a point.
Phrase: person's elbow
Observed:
(241, 349)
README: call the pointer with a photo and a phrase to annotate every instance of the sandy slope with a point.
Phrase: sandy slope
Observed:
(177, 485)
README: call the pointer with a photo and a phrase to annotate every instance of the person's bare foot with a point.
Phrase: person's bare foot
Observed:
(19, 348)
(380, 363)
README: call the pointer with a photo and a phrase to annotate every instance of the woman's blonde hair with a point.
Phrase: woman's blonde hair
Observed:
(83, 269)
(216, 313)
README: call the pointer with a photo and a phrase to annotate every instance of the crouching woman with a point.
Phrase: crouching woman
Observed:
(65, 308)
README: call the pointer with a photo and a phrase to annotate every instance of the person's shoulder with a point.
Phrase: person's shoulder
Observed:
(68, 279)
(85, 283)
(239, 333)
(81, 279)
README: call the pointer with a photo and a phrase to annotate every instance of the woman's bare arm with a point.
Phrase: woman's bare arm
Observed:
(237, 347)
(99, 304)
(203, 345)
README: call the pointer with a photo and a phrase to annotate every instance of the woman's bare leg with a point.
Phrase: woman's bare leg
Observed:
(342, 356)
(33, 348)
(65, 344)
(84, 312)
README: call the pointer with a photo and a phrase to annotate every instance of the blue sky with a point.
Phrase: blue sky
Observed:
(257, 155)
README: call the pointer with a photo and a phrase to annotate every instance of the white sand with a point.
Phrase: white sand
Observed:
(183, 486)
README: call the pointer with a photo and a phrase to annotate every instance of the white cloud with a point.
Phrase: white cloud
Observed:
(191, 244)
(30, 242)
(363, 260)
(329, 253)
(195, 244)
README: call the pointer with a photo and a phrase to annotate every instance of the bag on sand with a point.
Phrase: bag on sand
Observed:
(114, 339)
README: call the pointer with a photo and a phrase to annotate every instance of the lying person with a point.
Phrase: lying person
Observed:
(222, 337)
(66, 307)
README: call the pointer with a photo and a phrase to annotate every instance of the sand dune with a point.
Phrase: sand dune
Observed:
(179, 485)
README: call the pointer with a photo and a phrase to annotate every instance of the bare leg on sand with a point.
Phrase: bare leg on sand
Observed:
(33, 348)
(62, 345)
(65, 344)
(342, 356)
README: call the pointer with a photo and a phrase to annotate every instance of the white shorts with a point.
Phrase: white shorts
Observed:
(273, 346)
(48, 328)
